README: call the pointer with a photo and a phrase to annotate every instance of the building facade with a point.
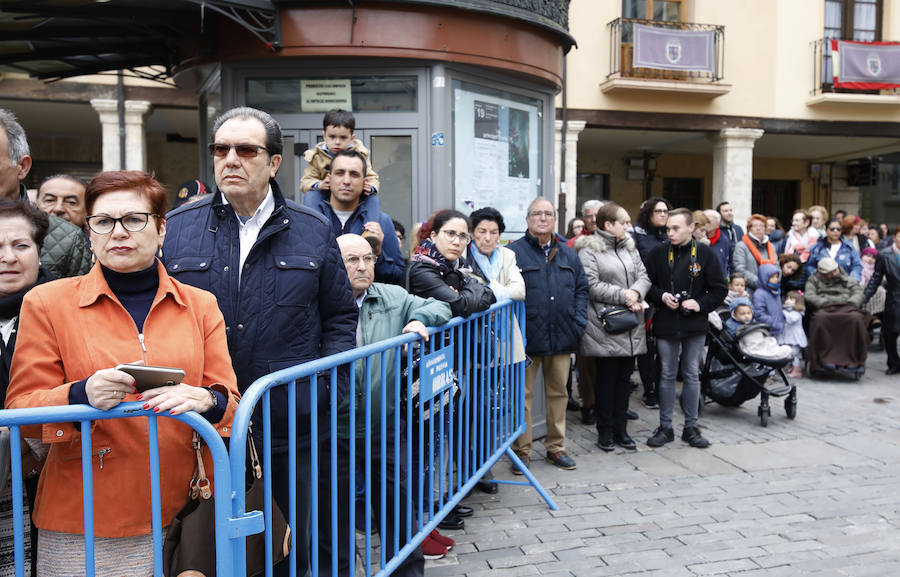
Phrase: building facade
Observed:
(755, 118)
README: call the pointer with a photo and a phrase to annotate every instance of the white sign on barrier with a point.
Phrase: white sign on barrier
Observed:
(436, 373)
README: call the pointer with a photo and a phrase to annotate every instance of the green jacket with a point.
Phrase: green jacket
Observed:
(385, 310)
(66, 251)
(821, 292)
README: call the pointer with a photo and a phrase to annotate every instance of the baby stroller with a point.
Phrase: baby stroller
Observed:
(730, 375)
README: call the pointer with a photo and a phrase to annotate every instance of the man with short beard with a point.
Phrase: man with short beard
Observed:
(733, 232)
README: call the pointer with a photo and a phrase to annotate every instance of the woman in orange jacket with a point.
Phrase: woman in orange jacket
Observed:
(72, 333)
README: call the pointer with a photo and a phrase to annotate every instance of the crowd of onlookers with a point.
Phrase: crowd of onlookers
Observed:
(237, 282)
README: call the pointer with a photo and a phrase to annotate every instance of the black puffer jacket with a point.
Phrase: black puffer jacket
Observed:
(708, 289)
(465, 295)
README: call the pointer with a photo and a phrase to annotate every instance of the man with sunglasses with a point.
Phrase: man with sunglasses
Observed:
(280, 281)
(556, 300)
(351, 212)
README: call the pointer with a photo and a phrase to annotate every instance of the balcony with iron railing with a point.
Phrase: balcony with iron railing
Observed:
(705, 80)
(823, 87)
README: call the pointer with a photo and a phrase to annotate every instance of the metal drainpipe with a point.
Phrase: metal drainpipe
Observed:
(561, 203)
(120, 93)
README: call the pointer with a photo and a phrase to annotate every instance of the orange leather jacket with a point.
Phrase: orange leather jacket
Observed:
(71, 328)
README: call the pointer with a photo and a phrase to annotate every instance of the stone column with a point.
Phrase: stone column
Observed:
(573, 129)
(107, 109)
(733, 170)
(135, 133)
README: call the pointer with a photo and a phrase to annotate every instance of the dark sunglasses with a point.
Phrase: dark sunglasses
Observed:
(242, 150)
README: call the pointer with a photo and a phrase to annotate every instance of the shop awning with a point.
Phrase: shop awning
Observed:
(52, 39)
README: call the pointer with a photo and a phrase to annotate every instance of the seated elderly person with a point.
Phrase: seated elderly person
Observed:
(838, 335)
(385, 311)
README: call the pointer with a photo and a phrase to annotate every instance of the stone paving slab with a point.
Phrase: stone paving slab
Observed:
(816, 496)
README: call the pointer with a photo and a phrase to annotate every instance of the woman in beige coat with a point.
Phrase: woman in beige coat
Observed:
(616, 276)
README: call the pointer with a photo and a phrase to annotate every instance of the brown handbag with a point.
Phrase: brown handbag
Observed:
(189, 549)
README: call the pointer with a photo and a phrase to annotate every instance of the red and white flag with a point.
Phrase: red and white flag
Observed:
(866, 65)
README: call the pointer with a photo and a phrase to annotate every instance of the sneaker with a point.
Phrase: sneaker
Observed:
(526, 460)
(443, 540)
(661, 437)
(431, 549)
(561, 460)
(625, 441)
(692, 436)
(605, 442)
(650, 400)
(631, 415)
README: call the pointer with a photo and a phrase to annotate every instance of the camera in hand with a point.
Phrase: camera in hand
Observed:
(680, 297)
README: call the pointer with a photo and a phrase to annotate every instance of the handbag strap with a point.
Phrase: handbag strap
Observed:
(200, 482)
(254, 456)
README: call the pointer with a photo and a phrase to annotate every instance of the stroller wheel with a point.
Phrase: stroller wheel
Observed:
(764, 416)
(790, 405)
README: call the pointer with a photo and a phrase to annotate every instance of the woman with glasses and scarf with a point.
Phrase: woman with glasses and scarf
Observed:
(753, 250)
(438, 269)
(835, 246)
(73, 333)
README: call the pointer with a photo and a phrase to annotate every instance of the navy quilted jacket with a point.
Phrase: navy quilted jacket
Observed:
(293, 303)
(556, 296)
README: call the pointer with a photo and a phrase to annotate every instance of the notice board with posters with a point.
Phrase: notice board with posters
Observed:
(496, 151)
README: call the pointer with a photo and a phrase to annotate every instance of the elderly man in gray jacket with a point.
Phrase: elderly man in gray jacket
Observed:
(616, 277)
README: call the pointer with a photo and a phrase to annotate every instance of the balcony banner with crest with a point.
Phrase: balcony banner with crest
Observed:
(671, 49)
(866, 65)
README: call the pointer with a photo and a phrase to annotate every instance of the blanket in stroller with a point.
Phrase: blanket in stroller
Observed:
(755, 342)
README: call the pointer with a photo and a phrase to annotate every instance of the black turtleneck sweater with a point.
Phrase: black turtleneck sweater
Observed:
(135, 290)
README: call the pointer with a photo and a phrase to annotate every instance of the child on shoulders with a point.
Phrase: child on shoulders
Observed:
(337, 134)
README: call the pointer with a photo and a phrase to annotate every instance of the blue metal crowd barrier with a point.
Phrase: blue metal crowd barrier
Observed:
(232, 528)
(459, 405)
(458, 414)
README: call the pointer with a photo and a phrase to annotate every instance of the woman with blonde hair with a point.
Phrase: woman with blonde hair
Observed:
(616, 277)
(753, 250)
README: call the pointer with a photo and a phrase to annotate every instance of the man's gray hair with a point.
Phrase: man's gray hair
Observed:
(591, 204)
(539, 199)
(713, 215)
(274, 141)
(15, 136)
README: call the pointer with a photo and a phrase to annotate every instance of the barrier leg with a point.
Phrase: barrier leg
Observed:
(531, 479)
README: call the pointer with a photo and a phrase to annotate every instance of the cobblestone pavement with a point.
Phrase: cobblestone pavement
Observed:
(815, 496)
